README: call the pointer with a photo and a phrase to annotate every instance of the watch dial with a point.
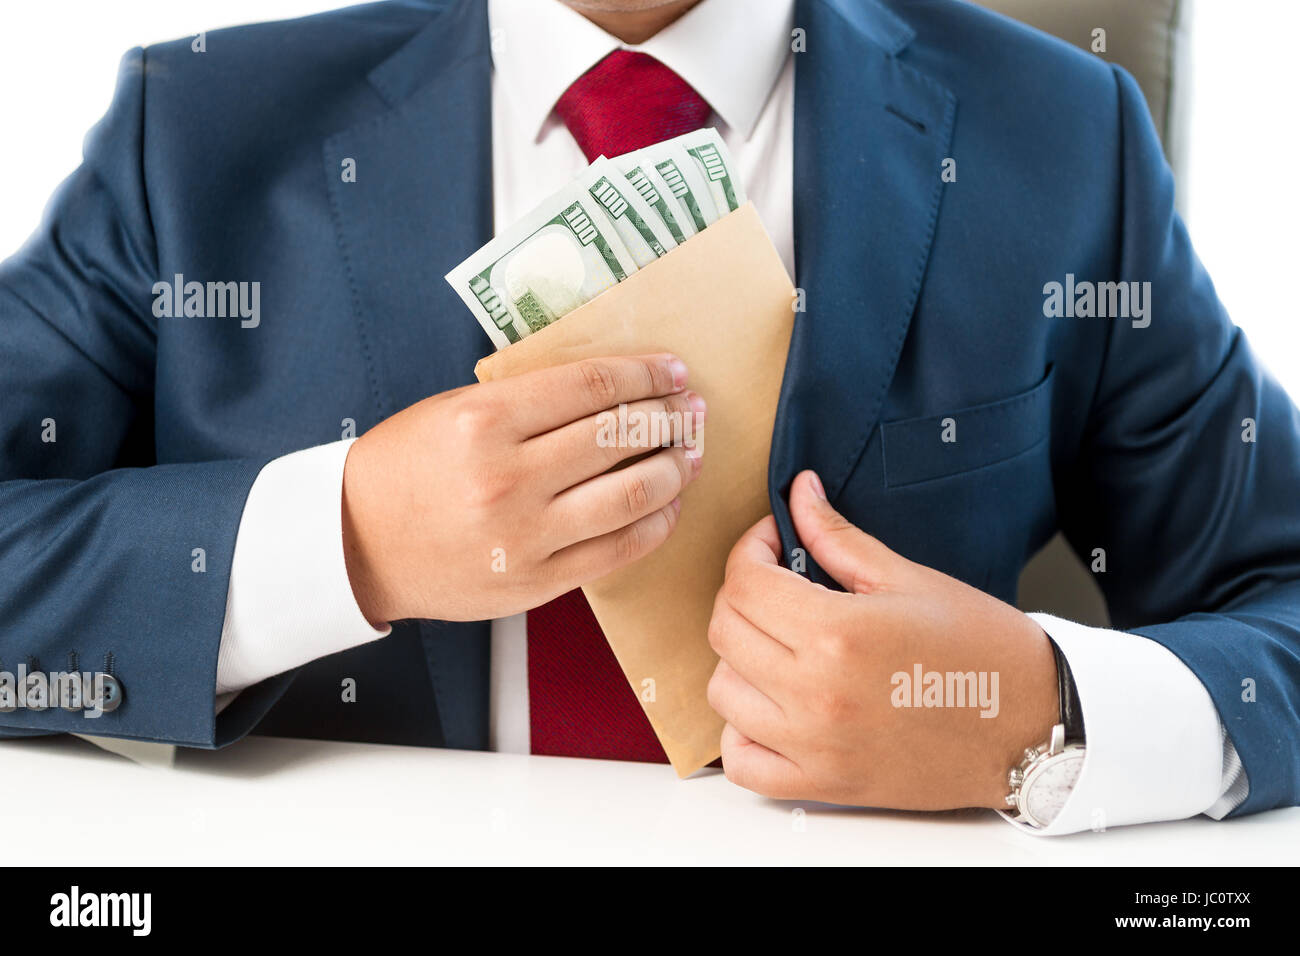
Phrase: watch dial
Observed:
(1051, 787)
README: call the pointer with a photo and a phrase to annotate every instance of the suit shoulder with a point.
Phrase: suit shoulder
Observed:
(266, 84)
(357, 35)
(974, 42)
(1011, 79)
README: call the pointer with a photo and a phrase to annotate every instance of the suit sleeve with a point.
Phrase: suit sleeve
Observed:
(1188, 480)
(108, 560)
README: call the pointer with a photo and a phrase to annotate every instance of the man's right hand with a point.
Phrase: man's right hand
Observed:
(494, 498)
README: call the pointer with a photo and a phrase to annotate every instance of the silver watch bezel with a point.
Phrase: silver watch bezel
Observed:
(1038, 759)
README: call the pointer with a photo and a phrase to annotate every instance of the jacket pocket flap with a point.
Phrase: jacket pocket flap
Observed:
(937, 446)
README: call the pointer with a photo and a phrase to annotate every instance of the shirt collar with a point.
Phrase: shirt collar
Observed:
(730, 51)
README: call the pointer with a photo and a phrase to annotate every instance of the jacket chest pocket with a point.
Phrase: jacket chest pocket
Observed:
(964, 440)
(968, 492)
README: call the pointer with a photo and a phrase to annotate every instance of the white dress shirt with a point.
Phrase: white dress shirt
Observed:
(1156, 749)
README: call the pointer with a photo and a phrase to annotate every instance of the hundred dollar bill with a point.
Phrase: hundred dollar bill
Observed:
(561, 255)
(681, 176)
(642, 231)
(645, 179)
(713, 159)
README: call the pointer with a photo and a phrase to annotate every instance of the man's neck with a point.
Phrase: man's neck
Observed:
(632, 21)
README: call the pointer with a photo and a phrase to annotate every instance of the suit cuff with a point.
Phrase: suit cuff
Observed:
(1155, 747)
(290, 600)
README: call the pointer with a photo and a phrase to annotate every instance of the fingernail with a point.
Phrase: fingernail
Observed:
(678, 369)
(815, 484)
(695, 455)
(698, 405)
(677, 505)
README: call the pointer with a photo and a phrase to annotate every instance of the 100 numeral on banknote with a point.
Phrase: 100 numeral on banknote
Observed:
(564, 254)
(616, 218)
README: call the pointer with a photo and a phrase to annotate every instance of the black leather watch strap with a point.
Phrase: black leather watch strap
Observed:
(1071, 711)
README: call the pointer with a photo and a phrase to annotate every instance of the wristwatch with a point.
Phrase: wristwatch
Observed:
(1044, 779)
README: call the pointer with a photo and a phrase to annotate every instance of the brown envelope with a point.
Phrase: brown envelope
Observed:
(723, 302)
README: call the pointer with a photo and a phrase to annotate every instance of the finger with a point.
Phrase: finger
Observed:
(860, 563)
(745, 707)
(754, 575)
(761, 544)
(755, 655)
(762, 592)
(792, 610)
(609, 502)
(594, 558)
(749, 764)
(591, 446)
(546, 399)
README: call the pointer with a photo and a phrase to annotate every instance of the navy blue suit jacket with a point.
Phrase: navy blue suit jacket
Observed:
(924, 302)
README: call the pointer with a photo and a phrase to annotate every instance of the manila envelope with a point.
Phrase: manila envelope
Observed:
(723, 302)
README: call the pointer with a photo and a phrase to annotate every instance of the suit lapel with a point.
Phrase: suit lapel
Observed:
(421, 202)
(871, 133)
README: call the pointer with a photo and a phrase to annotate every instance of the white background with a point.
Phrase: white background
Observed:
(58, 62)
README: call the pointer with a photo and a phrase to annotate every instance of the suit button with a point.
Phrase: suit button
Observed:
(109, 696)
(70, 693)
(36, 692)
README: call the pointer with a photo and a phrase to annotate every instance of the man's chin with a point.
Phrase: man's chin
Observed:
(618, 6)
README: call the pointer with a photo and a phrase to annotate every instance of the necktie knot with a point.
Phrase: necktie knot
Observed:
(627, 101)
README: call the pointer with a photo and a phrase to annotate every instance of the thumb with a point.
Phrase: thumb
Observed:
(849, 555)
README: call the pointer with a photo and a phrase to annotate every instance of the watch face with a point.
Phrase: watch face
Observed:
(1048, 786)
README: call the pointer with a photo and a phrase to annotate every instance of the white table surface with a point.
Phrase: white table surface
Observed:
(279, 801)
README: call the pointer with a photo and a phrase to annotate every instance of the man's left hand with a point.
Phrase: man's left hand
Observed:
(809, 680)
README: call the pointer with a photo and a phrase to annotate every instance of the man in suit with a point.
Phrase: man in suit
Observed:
(178, 504)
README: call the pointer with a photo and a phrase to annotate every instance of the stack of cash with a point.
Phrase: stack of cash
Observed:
(618, 217)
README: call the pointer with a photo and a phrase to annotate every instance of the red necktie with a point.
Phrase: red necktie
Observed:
(627, 101)
(580, 704)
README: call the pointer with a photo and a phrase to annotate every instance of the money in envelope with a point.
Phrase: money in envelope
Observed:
(656, 251)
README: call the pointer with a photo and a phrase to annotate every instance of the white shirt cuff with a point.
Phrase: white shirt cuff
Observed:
(1155, 747)
(290, 600)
